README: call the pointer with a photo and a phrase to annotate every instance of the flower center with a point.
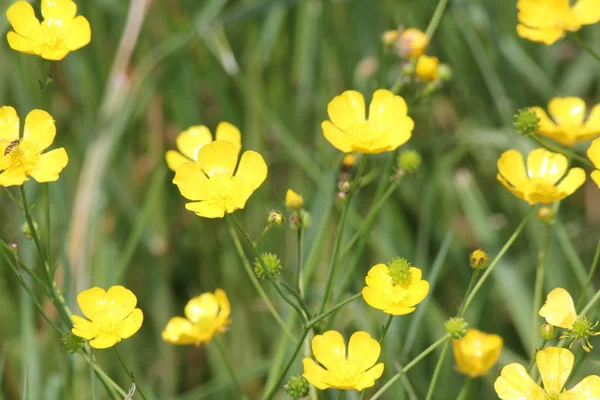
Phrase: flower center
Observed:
(552, 396)
(368, 135)
(224, 190)
(18, 158)
(52, 36)
(346, 371)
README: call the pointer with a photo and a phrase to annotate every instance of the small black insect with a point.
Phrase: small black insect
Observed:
(11, 146)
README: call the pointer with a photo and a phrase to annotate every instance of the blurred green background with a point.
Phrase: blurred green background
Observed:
(270, 67)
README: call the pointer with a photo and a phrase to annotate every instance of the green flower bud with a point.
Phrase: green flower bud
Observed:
(399, 270)
(444, 72)
(548, 332)
(27, 231)
(297, 387)
(275, 218)
(409, 161)
(526, 122)
(344, 186)
(479, 259)
(301, 220)
(271, 261)
(72, 344)
(456, 327)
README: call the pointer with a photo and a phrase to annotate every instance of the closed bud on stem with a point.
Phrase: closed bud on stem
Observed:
(301, 220)
(27, 230)
(409, 161)
(445, 72)
(548, 332)
(456, 327)
(344, 186)
(271, 261)
(389, 38)
(526, 122)
(545, 214)
(479, 259)
(275, 218)
(72, 344)
(293, 200)
(297, 387)
(349, 161)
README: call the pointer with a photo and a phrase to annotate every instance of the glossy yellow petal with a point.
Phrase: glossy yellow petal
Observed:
(59, 10)
(418, 291)
(545, 124)
(206, 210)
(293, 200)
(121, 301)
(224, 310)
(92, 301)
(593, 153)
(596, 177)
(50, 164)
(336, 137)
(252, 170)
(378, 277)
(218, 158)
(54, 54)
(201, 307)
(9, 125)
(554, 364)
(567, 111)
(592, 125)
(191, 181)
(22, 18)
(180, 331)
(573, 181)
(543, 192)
(512, 168)
(314, 374)
(329, 348)
(388, 112)
(547, 36)
(542, 163)
(398, 309)
(190, 141)
(519, 193)
(476, 352)
(587, 389)
(587, 11)
(105, 340)
(559, 310)
(39, 129)
(131, 324)
(79, 33)
(13, 177)
(20, 43)
(363, 350)
(375, 298)
(368, 378)
(175, 159)
(514, 383)
(84, 328)
(347, 110)
(427, 68)
(230, 133)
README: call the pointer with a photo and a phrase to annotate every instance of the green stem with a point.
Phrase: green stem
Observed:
(436, 372)
(590, 277)
(129, 373)
(335, 256)
(296, 295)
(590, 304)
(268, 274)
(48, 230)
(584, 46)
(495, 261)
(300, 261)
(381, 339)
(93, 377)
(256, 283)
(561, 150)
(106, 380)
(19, 263)
(466, 389)
(532, 362)
(408, 366)
(539, 285)
(234, 379)
(472, 282)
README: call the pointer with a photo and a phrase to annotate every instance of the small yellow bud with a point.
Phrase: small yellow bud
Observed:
(389, 38)
(293, 200)
(344, 186)
(548, 332)
(275, 218)
(427, 68)
(545, 214)
(349, 161)
(479, 259)
(412, 43)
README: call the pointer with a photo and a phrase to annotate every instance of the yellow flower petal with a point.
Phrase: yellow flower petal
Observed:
(336, 137)
(329, 348)
(587, 389)
(547, 36)
(592, 125)
(104, 341)
(388, 112)
(224, 309)
(418, 291)
(545, 124)
(20, 43)
(314, 374)
(50, 165)
(216, 158)
(593, 153)
(596, 177)
(59, 10)
(54, 54)
(363, 350)
(91, 301)
(514, 383)
(512, 168)
(547, 165)
(180, 331)
(252, 170)
(131, 324)
(587, 11)
(570, 183)
(190, 141)
(191, 181)
(206, 210)
(567, 111)
(79, 33)
(84, 328)
(293, 200)
(513, 190)
(175, 159)
(22, 18)
(12, 178)
(39, 129)
(368, 378)
(477, 352)
(554, 364)
(9, 126)
(559, 310)
(230, 133)
(427, 68)
(124, 298)
(347, 110)
(200, 307)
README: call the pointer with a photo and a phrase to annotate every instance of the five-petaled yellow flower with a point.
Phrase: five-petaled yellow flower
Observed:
(555, 365)
(567, 125)
(206, 315)
(476, 352)
(111, 314)
(355, 369)
(427, 68)
(412, 43)
(395, 292)
(559, 309)
(213, 183)
(594, 156)
(387, 128)
(540, 181)
(549, 20)
(58, 34)
(22, 157)
(190, 141)
(293, 200)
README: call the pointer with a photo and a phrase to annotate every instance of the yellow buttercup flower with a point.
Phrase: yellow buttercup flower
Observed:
(555, 365)
(111, 314)
(190, 141)
(427, 68)
(58, 34)
(387, 128)
(412, 43)
(476, 352)
(206, 315)
(212, 184)
(539, 181)
(22, 157)
(396, 289)
(559, 309)
(594, 156)
(293, 199)
(548, 21)
(356, 370)
(567, 125)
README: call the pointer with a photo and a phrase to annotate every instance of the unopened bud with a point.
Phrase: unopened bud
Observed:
(72, 344)
(412, 43)
(27, 230)
(479, 259)
(427, 68)
(456, 327)
(293, 199)
(409, 161)
(297, 387)
(526, 122)
(271, 261)
(389, 38)
(275, 218)
(301, 220)
(548, 332)
(545, 214)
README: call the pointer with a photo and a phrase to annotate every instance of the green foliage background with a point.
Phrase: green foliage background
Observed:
(270, 67)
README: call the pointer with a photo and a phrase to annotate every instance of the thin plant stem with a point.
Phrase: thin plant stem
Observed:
(590, 277)
(19, 263)
(296, 295)
(495, 261)
(466, 389)
(300, 261)
(437, 370)
(341, 394)
(408, 366)
(234, 379)
(48, 230)
(106, 380)
(335, 255)
(590, 304)
(381, 339)
(256, 283)
(585, 47)
(532, 361)
(93, 377)
(268, 274)
(539, 285)
(562, 150)
(129, 373)
(472, 283)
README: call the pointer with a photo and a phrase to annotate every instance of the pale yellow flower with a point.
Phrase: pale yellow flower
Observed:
(427, 68)
(476, 352)
(412, 43)
(594, 156)
(559, 309)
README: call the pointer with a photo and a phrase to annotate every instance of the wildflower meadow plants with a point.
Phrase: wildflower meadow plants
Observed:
(271, 200)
